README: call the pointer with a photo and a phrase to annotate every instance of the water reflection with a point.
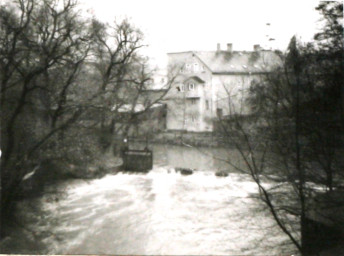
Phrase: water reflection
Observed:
(199, 158)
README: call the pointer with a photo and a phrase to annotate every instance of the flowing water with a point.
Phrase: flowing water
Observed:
(161, 212)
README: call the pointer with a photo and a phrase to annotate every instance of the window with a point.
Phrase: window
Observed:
(191, 87)
(180, 88)
(162, 80)
(193, 101)
(207, 104)
(219, 112)
(196, 67)
(193, 118)
(187, 67)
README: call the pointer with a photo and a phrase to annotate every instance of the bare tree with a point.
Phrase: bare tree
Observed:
(43, 45)
(278, 146)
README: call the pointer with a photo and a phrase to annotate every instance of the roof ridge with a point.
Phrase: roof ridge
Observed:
(236, 61)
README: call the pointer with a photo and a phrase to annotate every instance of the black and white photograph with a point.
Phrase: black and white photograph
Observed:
(172, 127)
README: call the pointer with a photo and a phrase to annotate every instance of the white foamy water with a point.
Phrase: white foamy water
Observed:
(161, 212)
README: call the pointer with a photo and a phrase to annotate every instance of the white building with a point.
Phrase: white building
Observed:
(212, 84)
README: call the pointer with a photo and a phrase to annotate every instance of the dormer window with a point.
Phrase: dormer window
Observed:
(191, 86)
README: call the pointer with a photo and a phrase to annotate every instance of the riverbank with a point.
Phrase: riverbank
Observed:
(183, 138)
(52, 171)
(35, 185)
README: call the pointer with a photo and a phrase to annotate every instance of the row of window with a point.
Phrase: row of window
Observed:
(192, 118)
(195, 67)
(195, 118)
(194, 101)
(183, 87)
(156, 80)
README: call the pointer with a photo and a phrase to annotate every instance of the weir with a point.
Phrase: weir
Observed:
(137, 160)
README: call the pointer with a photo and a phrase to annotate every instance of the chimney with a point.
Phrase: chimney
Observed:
(229, 47)
(256, 47)
(218, 47)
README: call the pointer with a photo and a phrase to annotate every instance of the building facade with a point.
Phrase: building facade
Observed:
(213, 84)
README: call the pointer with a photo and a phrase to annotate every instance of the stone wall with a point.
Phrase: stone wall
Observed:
(177, 137)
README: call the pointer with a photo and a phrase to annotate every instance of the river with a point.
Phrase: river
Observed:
(161, 212)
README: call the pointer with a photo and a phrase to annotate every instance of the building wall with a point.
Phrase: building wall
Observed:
(144, 124)
(219, 94)
(159, 80)
(231, 92)
(184, 111)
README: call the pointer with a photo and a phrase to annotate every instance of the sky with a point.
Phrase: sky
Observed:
(184, 25)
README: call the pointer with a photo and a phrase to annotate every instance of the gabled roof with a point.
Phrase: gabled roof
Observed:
(240, 62)
(195, 78)
(225, 62)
